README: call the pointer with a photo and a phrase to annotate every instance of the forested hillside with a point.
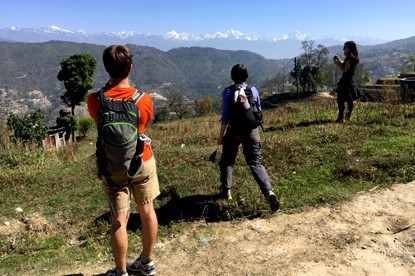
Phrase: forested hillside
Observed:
(28, 70)
(34, 66)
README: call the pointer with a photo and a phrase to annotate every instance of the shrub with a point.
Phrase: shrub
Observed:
(84, 125)
(162, 116)
(204, 106)
(28, 128)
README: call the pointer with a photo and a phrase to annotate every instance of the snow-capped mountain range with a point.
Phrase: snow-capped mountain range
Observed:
(286, 46)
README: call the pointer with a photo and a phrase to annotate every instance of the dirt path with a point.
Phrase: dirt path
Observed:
(372, 235)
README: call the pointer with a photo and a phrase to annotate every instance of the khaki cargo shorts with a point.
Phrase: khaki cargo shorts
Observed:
(144, 187)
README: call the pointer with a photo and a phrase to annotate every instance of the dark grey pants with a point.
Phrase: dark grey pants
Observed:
(251, 144)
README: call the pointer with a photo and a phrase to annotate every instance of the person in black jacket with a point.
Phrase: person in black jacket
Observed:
(347, 89)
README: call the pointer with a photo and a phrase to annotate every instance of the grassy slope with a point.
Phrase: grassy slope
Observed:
(310, 161)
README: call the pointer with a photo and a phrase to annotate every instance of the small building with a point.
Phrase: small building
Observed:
(57, 137)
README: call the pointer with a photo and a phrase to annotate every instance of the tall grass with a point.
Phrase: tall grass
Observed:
(310, 161)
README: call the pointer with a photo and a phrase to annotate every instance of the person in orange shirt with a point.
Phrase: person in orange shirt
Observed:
(118, 61)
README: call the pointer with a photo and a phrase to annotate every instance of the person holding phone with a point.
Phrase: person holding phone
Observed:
(347, 88)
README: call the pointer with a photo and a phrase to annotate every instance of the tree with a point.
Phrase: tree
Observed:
(332, 75)
(268, 86)
(67, 121)
(362, 74)
(204, 106)
(163, 115)
(178, 103)
(28, 128)
(307, 72)
(76, 73)
(295, 73)
(409, 62)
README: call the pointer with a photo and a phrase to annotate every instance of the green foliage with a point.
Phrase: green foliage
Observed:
(84, 125)
(409, 63)
(76, 74)
(308, 71)
(162, 115)
(67, 121)
(29, 127)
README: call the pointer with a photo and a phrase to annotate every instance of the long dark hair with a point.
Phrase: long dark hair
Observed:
(353, 49)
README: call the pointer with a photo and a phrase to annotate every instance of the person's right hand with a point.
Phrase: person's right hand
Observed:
(220, 140)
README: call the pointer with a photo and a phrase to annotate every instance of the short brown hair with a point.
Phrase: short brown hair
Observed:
(117, 61)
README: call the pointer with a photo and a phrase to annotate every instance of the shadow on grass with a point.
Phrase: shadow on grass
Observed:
(210, 208)
(300, 124)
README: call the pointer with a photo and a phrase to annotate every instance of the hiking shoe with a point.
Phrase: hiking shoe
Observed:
(138, 268)
(115, 272)
(273, 201)
(347, 118)
(225, 194)
(339, 120)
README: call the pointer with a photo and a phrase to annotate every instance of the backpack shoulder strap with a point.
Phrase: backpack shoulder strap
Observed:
(137, 96)
(232, 88)
(102, 97)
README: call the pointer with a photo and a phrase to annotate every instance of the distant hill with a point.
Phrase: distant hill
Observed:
(28, 70)
(196, 71)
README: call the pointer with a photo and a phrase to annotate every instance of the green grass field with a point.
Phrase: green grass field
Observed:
(310, 160)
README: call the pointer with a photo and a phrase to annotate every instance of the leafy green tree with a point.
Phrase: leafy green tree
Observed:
(28, 128)
(76, 73)
(67, 121)
(409, 62)
(308, 71)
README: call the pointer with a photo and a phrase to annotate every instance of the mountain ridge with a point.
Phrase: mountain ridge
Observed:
(289, 44)
(196, 72)
(28, 70)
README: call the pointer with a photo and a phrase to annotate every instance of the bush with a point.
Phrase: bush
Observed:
(204, 106)
(162, 116)
(28, 128)
(84, 125)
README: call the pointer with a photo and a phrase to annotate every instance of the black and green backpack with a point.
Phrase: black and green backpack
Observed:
(119, 147)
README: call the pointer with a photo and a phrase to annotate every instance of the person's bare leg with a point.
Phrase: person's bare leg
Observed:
(149, 229)
(119, 240)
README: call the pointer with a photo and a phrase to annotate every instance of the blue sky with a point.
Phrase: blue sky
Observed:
(382, 19)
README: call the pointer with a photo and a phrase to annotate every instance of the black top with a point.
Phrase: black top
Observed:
(350, 73)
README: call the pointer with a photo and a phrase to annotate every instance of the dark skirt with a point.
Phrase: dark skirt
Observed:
(348, 90)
